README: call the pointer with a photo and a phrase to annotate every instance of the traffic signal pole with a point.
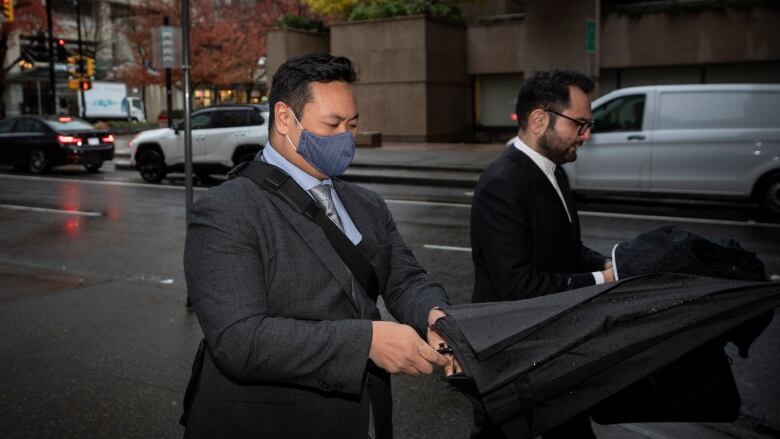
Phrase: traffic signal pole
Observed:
(83, 112)
(52, 78)
(185, 38)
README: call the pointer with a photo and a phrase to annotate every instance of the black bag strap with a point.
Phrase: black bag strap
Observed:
(279, 183)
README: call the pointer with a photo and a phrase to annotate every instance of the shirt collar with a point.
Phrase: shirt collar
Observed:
(546, 165)
(304, 180)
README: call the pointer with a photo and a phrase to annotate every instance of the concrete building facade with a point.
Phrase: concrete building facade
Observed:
(464, 85)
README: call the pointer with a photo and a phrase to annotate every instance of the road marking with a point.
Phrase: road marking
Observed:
(427, 203)
(97, 182)
(447, 247)
(748, 223)
(43, 209)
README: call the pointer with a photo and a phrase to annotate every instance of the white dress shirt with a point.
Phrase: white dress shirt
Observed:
(307, 182)
(546, 165)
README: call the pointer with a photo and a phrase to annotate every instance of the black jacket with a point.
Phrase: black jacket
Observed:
(523, 244)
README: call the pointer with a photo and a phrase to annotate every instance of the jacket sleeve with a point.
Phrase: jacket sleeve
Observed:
(223, 263)
(502, 230)
(409, 294)
(591, 259)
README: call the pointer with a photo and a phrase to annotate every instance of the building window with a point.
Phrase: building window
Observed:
(494, 99)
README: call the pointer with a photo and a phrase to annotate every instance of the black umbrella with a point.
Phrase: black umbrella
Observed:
(536, 363)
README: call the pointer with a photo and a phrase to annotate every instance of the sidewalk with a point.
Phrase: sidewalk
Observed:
(426, 164)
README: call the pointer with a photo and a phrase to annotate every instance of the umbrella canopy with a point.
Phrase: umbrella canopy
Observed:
(536, 363)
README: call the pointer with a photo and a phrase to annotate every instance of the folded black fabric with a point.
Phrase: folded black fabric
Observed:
(567, 353)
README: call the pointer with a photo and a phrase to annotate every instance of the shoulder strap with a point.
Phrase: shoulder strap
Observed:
(279, 183)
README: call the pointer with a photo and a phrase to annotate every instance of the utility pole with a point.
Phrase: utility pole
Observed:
(52, 79)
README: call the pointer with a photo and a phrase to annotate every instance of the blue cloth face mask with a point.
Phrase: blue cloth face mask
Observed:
(331, 155)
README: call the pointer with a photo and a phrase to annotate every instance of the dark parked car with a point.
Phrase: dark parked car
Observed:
(37, 143)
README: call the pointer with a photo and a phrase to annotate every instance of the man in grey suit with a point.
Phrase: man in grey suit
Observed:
(295, 346)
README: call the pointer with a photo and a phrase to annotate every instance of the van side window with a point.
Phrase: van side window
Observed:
(622, 114)
(717, 110)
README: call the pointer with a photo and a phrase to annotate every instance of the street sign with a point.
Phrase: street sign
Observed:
(590, 35)
(167, 47)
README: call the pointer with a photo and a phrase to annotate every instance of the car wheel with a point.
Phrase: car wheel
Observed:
(93, 166)
(151, 166)
(771, 196)
(38, 161)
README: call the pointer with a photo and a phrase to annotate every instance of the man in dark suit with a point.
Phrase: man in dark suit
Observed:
(525, 233)
(295, 346)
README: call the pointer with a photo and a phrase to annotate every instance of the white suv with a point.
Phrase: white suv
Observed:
(222, 137)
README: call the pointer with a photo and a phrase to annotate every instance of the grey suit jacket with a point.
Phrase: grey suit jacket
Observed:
(287, 340)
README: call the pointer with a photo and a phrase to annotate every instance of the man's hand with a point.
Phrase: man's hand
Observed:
(398, 349)
(609, 273)
(436, 341)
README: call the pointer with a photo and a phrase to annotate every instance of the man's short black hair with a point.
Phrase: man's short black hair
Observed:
(548, 90)
(290, 83)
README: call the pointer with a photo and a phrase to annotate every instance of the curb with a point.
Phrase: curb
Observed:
(417, 181)
(447, 168)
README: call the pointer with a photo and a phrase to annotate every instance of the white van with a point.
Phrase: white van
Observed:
(695, 140)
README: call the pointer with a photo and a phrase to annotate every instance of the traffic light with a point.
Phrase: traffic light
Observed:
(8, 11)
(73, 68)
(86, 84)
(62, 55)
(90, 68)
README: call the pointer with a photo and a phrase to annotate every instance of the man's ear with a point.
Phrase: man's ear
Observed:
(281, 118)
(537, 121)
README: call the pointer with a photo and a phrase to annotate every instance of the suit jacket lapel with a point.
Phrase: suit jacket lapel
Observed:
(540, 180)
(315, 238)
(563, 185)
(360, 216)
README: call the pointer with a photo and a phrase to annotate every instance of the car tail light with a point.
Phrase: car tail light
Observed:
(68, 140)
(107, 138)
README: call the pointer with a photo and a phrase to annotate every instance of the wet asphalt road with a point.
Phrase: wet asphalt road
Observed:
(97, 342)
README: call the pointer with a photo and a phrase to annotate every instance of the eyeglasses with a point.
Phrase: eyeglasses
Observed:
(583, 125)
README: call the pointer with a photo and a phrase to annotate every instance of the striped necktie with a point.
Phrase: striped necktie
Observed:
(321, 193)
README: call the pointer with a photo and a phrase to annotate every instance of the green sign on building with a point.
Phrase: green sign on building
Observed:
(590, 35)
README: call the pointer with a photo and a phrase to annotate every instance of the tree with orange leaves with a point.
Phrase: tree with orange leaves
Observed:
(29, 16)
(226, 40)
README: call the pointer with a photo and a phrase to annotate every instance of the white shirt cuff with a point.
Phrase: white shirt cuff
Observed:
(598, 277)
